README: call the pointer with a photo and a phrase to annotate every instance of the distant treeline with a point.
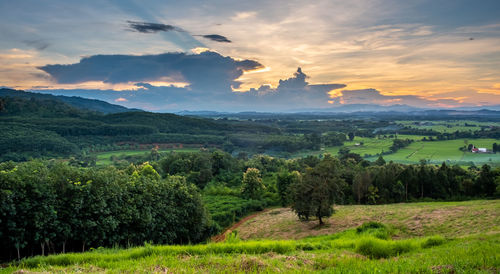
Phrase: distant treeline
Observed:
(493, 132)
(51, 206)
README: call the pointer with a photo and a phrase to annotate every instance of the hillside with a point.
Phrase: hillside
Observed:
(449, 219)
(362, 248)
(74, 101)
(44, 126)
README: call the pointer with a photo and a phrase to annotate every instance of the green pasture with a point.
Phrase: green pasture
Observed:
(363, 145)
(434, 152)
(445, 151)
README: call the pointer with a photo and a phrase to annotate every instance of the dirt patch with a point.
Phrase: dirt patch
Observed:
(159, 269)
(248, 264)
(443, 269)
(221, 237)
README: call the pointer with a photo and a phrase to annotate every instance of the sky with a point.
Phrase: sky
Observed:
(279, 55)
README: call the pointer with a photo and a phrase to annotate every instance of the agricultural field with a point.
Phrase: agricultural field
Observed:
(104, 158)
(447, 126)
(363, 146)
(451, 237)
(436, 152)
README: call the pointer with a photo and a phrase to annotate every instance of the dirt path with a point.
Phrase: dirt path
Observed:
(221, 237)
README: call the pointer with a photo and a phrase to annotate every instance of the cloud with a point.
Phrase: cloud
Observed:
(207, 71)
(145, 27)
(373, 96)
(38, 44)
(291, 93)
(216, 38)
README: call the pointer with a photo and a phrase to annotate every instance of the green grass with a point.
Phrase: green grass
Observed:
(346, 252)
(435, 152)
(449, 219)
(370, 146)
(469, 245)
(104, 158)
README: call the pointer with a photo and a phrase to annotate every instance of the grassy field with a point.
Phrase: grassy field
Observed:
(104, 158)
(449, 219)
(445, 151)
(435, 152)
(362, 146)
(369, 248)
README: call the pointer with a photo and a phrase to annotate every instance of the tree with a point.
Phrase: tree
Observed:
(351, 136)
(252, 186)
(485, 184)
(362, 181)
(380, 161)
(320, 187)
(285, 181)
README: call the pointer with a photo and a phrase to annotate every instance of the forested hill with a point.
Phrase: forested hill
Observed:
(47, 127)
(76, 102)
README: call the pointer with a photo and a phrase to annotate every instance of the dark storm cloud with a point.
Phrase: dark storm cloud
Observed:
(208, 71)
(38, 44)
(216, 38)
(145, 27)
(292, 93)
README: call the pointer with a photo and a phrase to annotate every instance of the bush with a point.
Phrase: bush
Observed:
(370, 225)
(433, 241)
(375, 229)
(377, 248)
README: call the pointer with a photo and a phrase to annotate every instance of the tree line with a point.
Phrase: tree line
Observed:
(53, 206)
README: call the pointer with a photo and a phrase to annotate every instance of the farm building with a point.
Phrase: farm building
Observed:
(479, 150)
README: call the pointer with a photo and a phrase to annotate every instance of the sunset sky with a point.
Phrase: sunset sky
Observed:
(246, 55)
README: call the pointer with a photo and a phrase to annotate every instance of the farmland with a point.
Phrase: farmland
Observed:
(437, 152)
(383, 245)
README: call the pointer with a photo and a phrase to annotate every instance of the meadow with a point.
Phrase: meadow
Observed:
(434, 152)
(372, 246)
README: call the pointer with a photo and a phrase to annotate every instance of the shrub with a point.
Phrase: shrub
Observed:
(375, 229)
(433, 241)
(369, 225)
(376, 248)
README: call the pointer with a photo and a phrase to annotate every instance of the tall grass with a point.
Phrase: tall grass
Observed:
(361, 240)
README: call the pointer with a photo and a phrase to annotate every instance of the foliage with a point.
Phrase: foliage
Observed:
(251, 186)
(57, 207)
(319, 188)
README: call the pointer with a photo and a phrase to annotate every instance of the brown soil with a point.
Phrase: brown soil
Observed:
(221, 237)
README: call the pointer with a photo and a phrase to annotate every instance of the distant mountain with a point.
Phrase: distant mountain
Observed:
(77, 102)
(361, 108)
(414, 114)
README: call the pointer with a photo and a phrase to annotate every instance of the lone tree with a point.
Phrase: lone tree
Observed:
(319, 188)
(252, 186)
